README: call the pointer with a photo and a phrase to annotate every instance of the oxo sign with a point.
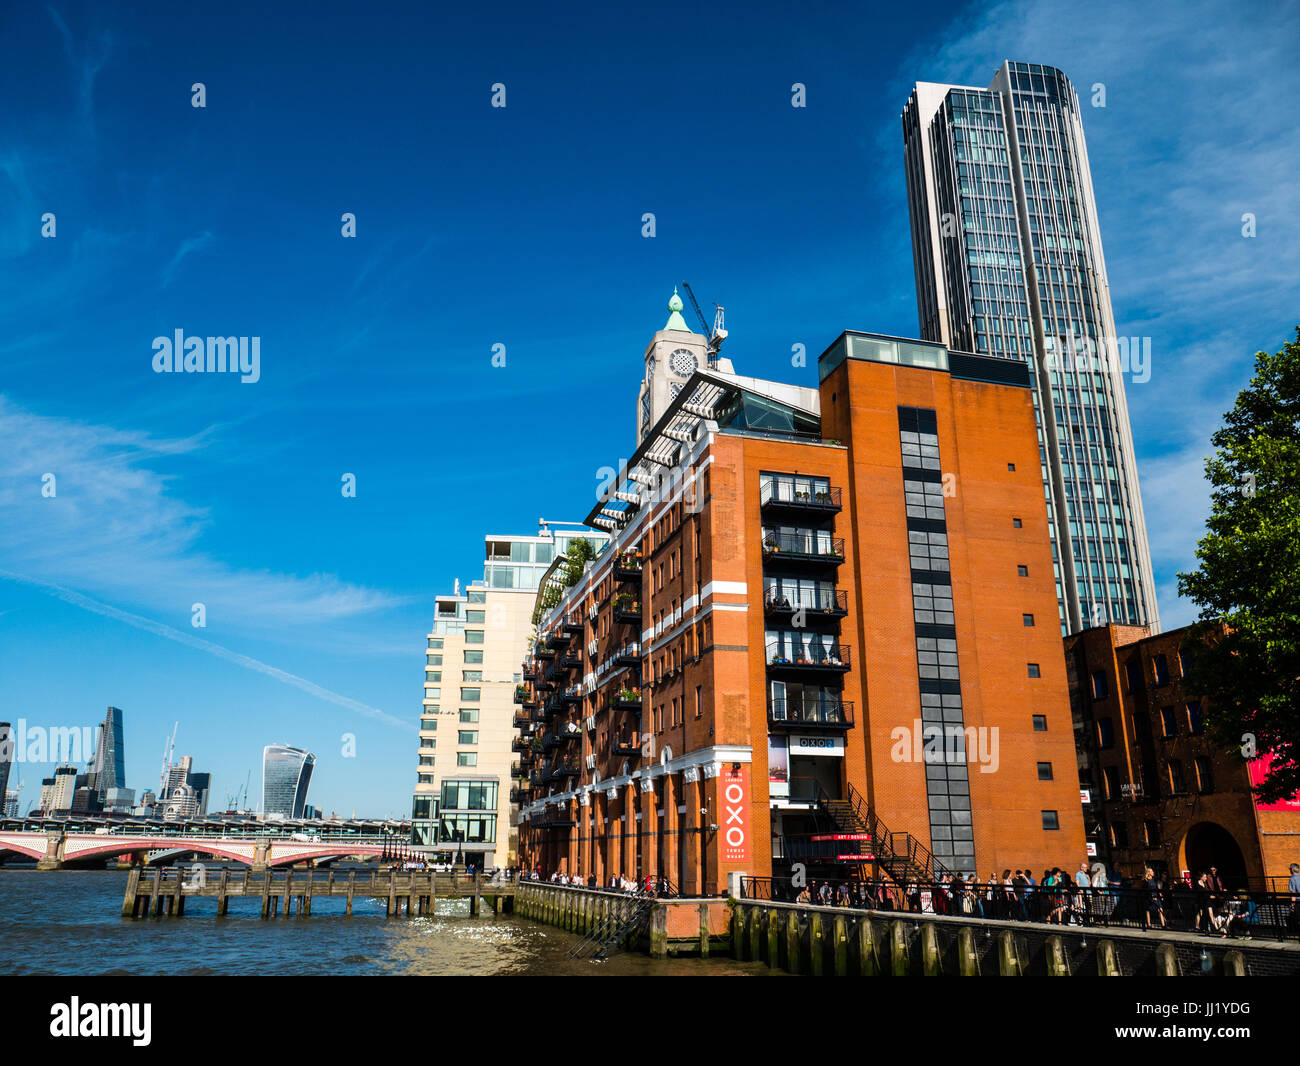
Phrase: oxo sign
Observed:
(735, 816)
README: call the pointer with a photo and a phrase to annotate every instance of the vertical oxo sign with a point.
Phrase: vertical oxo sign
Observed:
(735, 815)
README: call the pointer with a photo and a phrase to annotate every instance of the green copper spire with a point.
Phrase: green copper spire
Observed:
(675, 320)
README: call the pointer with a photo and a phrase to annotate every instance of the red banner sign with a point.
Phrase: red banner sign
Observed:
(735, 815)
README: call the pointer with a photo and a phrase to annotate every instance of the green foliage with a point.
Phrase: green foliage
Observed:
(1248, 579)
(577, 555)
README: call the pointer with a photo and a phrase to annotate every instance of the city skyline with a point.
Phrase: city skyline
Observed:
(177, 490)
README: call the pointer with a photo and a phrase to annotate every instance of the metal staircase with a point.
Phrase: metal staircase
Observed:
(900, 856)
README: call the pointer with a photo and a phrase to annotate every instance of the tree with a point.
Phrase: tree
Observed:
(579, 552)
(1247, 667)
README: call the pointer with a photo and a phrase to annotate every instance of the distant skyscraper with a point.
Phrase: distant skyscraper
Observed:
(286, 773)
(108, 764)
(11, 803)
(63, 789)
(1008, 261)
(6, 755)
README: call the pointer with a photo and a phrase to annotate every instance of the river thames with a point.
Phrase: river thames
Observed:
(68, 922)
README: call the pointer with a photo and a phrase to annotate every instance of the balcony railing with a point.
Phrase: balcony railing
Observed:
(626, 699)
(571, 695)
(573, 623)
(627, 609)
(782, 496)
(567, 767)
(628, 653)
(808, 657)
(517, 770)
(826, 603)
(626, 745)
(627, 567)
(803, 547)
(801, 714)
(571, 660)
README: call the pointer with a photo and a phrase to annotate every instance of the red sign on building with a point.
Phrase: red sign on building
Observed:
(1258, 771)
(735, 815)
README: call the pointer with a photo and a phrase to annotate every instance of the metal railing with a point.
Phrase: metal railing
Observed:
(803, 546)
(818, 601)
(1256, 913)
(824, 714)
(811, 655)
(783, 494)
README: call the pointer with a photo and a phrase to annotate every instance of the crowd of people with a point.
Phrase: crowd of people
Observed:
(1091, 895)
(650, 884)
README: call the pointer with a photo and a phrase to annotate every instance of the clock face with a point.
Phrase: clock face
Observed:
(683, 362)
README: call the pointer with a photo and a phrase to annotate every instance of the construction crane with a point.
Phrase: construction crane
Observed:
(716, 333)
(167, 762)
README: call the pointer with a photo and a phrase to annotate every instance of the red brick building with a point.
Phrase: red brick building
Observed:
(824, 631)
(1160, 794)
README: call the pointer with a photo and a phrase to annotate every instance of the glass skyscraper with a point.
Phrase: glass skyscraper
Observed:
(286, 773)
(1009, 263)
(108, 764)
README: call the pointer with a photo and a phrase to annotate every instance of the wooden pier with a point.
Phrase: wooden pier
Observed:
(165, 890)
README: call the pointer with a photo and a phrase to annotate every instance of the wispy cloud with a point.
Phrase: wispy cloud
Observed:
(114, 526)
(187, 247)
(88, 59)
(77, 599)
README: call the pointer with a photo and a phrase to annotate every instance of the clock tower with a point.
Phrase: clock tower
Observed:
(673, 355)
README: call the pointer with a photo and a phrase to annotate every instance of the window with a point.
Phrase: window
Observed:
(433, 675)
(471, 675)
(470, 695)
(1133, 672)
(1033, 670)
(469, 714)
(469, 796)
(1105, 733)
(1184, 660)
(1016, 523)
(1011, 467)
(1040, 723)
(1027, 619)
(473, 636)
(467, 736)
(1050, 820)
(1044, 771)
(1160, 667)
(699, 702)
(1204, 774)
(1110, 781)
(1022, 571)
(435, 642)
(1151, 831)
(477, 617)
(433, 660)
(1168, 723)
(466, 758)
(474, 656)
(1195, 723)
(1119, 834)
(1177, 785)
(476, 595)
(1098, 685)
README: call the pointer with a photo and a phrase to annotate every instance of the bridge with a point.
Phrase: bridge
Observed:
(55, 849)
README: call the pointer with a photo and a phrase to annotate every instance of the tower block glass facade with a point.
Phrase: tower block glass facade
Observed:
(1008, 259)
(286, 773)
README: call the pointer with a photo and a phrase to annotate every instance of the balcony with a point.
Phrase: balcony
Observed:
(814, 547)
(530, 672)
(521, 744)
(799, 714)
(629, 745)
(782, 498)
(627, 567)
(520, 795)
(521, 693)
(517, 770)
(626, 699)
(812, 657)
(571, 695)
(573, 624)
(551, 741)
(629, 654)
(571, 660)
(558, 639)
(543, 652)
(569, 733)
(819, 604)
(627, 609)
(566, 767)
(522, 719)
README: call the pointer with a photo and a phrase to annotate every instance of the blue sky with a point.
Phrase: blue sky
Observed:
(518, 226)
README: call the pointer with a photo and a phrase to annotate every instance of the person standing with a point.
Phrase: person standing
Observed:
(1293, 886)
